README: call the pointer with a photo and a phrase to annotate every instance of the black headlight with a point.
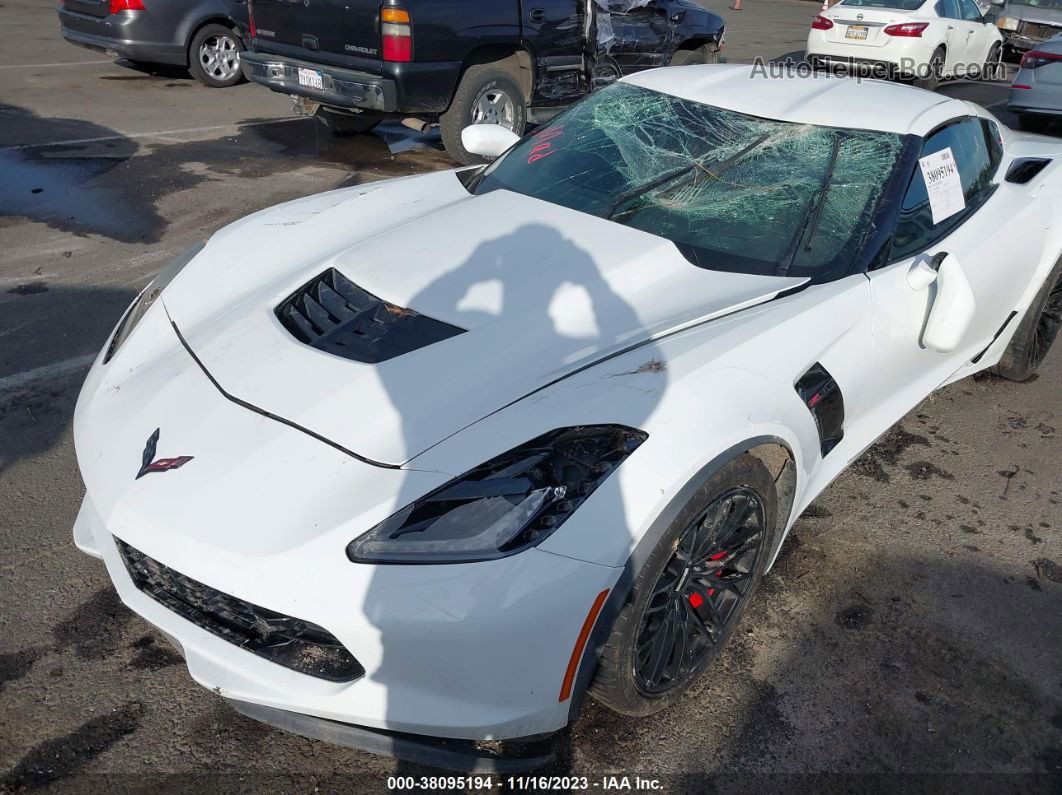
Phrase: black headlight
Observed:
(506, 505)
(147, 297)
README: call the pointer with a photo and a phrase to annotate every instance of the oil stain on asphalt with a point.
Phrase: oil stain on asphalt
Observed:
(107, 184)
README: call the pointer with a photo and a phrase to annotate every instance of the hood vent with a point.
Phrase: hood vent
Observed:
(334, 315)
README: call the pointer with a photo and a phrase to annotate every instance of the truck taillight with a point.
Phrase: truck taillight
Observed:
(910, 29)
(396, 35)
(126, 5)
(252, 31)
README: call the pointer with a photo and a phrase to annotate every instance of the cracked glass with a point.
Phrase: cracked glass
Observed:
(734, 192)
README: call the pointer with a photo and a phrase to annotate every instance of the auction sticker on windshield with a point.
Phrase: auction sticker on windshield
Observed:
(942, 184)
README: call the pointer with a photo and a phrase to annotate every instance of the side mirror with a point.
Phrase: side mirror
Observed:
(953, 305)
(488, 140)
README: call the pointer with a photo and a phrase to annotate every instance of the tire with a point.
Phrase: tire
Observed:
(706, 53)
(994, 61)
(214, 56)
(623, 681)
(343, 124)
(1037, 330)
(482, 87)
(936, 70)
(1033, 122)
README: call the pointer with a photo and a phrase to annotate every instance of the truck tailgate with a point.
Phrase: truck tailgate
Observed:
(340, 32)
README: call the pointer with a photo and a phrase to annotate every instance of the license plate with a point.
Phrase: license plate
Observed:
(856, 32)
(311, 78)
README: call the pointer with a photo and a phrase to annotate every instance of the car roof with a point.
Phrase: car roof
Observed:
(805, 97)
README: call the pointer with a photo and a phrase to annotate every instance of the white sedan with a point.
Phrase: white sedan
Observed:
(921, 39)
(439, 455)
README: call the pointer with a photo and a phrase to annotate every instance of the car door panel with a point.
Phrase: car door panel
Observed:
(955, 33)
(641, 33)
(556, 33)
(998, 245)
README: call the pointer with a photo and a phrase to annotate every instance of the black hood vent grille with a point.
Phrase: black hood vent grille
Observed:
(334, 315)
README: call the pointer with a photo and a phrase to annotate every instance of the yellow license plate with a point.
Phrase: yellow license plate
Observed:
(857, 32)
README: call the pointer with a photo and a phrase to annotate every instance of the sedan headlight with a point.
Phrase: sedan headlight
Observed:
(504, 506)
(143, 302)
(1007, 23)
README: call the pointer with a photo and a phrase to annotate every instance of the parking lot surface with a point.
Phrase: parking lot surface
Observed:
(909, 636)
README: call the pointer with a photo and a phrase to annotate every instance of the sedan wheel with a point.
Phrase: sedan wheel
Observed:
(214, 57)
(220, 57)
(933, 74)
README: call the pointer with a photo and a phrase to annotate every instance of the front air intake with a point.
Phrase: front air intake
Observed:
(334, 315)
(292, 642)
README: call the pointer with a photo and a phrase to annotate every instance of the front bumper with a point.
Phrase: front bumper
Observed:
(125, 35)
(343, 88)
(450, 754)
(1020, 41)
(472, 652)
(263, 514)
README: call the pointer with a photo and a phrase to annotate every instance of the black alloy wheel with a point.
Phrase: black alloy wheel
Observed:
(1047, 326)
(1035, 333)
(699, 591)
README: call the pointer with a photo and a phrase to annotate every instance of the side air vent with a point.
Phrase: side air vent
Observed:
(1024, 169)
(334, 315)
(824, 400)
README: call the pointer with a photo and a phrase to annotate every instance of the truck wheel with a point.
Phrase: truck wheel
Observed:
(214, 56)
(347, 123)
(487, 94)
(706, 53)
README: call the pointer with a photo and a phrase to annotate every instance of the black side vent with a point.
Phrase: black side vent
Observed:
(333, 314)
(824, 400)
(1023, 170)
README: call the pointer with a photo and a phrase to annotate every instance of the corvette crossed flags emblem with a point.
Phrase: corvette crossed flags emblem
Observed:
(152, 464)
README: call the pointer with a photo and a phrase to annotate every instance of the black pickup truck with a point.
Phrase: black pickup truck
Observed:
(462, 62)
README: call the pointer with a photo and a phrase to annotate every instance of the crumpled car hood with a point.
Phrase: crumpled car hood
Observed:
(540, 291)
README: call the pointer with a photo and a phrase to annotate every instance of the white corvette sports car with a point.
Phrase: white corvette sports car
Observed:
(431, 458)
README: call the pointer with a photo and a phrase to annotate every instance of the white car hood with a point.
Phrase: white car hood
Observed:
(541, 290)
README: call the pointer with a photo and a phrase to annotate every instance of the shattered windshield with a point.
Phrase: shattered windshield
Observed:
(733, 192)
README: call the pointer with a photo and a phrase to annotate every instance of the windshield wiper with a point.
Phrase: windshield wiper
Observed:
(716, 166)
(814, 214)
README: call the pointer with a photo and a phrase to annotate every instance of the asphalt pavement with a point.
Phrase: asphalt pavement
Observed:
(910, 636)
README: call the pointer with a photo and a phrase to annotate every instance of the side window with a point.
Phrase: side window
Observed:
(951, 9)
(977, 160)
(970, 11)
